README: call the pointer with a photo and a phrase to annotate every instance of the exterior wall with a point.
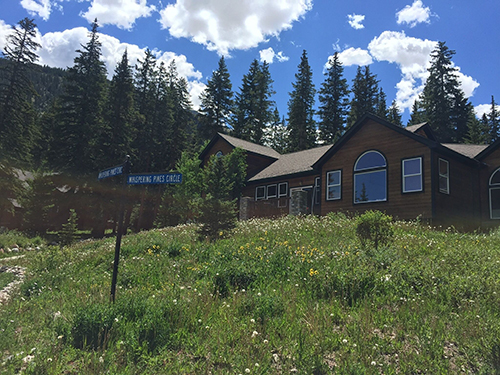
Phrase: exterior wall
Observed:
(395, 147)
(461, 207)
(276, 206)
(492, 163)
(255, 163)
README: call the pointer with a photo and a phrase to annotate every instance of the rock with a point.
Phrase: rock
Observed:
(15, 249)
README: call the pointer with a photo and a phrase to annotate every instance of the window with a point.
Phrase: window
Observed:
(444, 176)
(495, 195)
(282, 189)
(218, 154)
(370, 178)
(272, 191)
(412, 175)
(260, 193)
(317, 190)
(333, 185)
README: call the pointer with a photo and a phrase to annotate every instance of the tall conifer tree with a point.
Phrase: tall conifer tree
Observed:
(333, 97)
(365, 95)
(253, 104)
(394, 114)
(494, 120)
(443, 101)
(216, 102)
(301, 123)
(80, 119)
(17, 116)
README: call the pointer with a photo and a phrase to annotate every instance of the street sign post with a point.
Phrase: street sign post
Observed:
(132, 179)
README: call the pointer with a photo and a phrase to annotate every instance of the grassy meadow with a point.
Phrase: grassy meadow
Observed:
(292, 295)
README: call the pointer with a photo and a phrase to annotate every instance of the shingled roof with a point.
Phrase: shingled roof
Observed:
(471, 151)
(293, 163)
(249, 146)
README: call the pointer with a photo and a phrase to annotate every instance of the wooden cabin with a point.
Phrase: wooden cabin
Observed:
(375, 165)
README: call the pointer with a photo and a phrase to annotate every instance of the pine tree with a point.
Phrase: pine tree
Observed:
(253, 106)
(333, 97)
(277, 133)
(301, 123)
(17, 116)
(478, 130)
(394, 114)
(216, 102)
(417, 114)
(120, 115)
(80, 119)
(494, 120)
(443, 101)
(365, 95)
(381, 104)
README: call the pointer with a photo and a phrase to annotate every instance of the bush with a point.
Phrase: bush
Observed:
(68, 233)
(91, 326)
(374, 227)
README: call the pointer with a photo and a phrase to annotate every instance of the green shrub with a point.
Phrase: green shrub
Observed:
(374, 227)
(68, 235)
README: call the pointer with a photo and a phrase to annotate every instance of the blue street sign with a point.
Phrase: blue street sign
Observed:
(115, 171)
(154, 178)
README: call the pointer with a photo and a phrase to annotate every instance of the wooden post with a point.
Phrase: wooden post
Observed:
(120, 229)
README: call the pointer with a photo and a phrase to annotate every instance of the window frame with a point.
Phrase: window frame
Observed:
(279, 189)
(317, 190)
(445, 176)
(371, 170)
(404, 176)
(267, 191)
(257, 198)
(491, 187)
(328, 185)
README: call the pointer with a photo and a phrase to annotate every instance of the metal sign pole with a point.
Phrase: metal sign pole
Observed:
(120, 229)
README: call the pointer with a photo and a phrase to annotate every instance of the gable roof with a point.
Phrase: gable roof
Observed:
(488, 150)
(418, 138)
(245, 145)
(424, 126)
(299, 162)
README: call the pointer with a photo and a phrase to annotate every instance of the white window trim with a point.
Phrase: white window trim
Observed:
(257, 189)
(364, 169)
(412, 175)
(447, 176)
(384, 169)
(328, 185)
(491, 208)
(272, 196)
(279, 189)
(491, 177)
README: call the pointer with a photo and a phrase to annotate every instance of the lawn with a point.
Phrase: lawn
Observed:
(291, 295)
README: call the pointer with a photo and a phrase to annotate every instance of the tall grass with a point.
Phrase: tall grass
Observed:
(298, 294)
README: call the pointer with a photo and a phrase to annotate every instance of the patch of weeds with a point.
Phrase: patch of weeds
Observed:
(91, 326)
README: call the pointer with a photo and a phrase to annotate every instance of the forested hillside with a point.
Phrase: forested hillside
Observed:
(66, 125)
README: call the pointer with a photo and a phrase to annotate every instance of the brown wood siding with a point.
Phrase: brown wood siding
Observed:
(461, 206)
(395, 147)
(271, 205)
(492, 163)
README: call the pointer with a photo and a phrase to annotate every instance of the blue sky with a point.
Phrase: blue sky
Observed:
(394, 36)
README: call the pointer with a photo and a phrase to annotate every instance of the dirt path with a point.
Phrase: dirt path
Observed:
(6, 292)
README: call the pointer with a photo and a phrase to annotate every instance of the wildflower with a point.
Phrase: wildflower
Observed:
(255, 334)
(373, 363)
(49, 359)
(252, 320)
(266, 341)
(344, 341)
(247, 370)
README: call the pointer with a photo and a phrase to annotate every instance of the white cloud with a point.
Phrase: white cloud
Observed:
(356, 21)
(355, 56)
(222, 25)
(59, 50)
(41, 8)
(414, 14)
(482, 109)
(412, 55)
(121, 13)
(5, 31)
(195, 89)
(268, 56)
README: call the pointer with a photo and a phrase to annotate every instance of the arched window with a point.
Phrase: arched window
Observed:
(370, 178)
(495, 194)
